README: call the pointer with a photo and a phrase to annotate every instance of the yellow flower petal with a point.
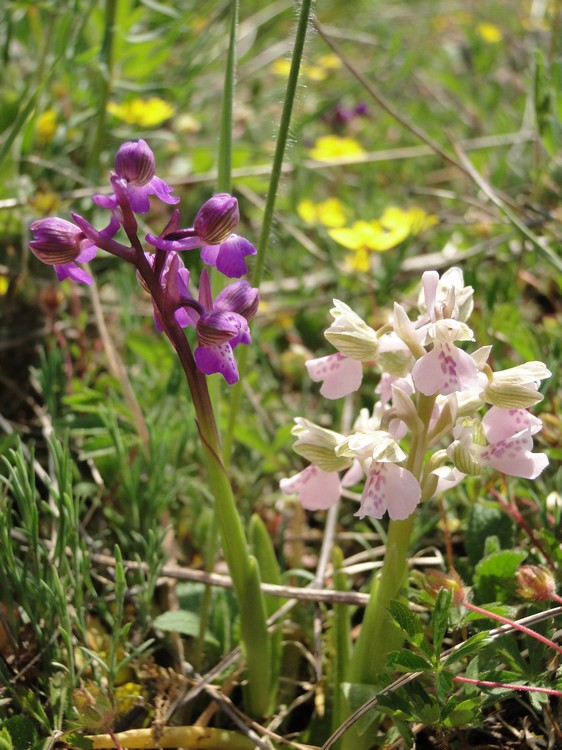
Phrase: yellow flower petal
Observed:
(330, 147)
(281, 66)
(316, 73)
(359, 261)
(347, 237)
(331, 213)
(144, 112)
(307, 211)
(46, 126)
(489, 33)
(330, 61)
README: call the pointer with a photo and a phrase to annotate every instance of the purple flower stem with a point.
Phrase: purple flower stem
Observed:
(105, 243)
(242, 566)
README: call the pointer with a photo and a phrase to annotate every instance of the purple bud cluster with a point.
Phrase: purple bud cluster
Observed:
(220, 325)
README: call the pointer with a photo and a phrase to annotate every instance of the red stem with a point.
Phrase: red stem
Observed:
(513, 624)
(508, 686)
(513, 511)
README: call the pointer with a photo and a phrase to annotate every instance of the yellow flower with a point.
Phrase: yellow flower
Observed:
(393, 227)
(400, 222)
(334, 147)
(316, 73)
(46, 126)
(330, 61)
(329, 213)
(489, 32)
(282, 66)
(147, 113)
(45, 202)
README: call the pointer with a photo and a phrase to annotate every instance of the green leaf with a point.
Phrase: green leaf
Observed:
(486, 520)
(408, 661)
(491, 573)
(181, 621)
(470, 646)
(444, 684)
(464, 714)
(18, 732)
(78, 741)
(356, 695)
(407, 621)
(441, 619)
(5, 740)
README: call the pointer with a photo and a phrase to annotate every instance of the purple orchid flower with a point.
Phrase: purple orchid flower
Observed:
(223, 325)
(220, 325)
(212, 231)
(134, 168)
(61, 244)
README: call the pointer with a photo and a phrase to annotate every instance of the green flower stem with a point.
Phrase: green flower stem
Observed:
(242, 566)
(374, 642)
(378, 637)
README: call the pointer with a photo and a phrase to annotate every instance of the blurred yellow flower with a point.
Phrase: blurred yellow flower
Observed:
(281, 66)
(333, 147)
(46, 126)
(45, 202)
(489, 32)
(187, 124)
(413, 221)
(147, 113)
(329, 213)
(317, 71)
(330, 61)
(393, 227)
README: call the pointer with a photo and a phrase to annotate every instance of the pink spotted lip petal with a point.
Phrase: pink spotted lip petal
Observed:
(316, 489)
(500, 424)
(339, 374)
(389, 488)
(445, 369)
(513, 456)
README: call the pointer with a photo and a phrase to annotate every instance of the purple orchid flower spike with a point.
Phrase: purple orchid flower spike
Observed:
(223, 325)
(62, 244)
(212, 231)
(134, 168)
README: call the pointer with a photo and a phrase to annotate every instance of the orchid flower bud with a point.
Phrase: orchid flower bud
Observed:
(134, 162)
(350, 335)
(239, 297)
(317, 445)
(217, 219)
(56, 241)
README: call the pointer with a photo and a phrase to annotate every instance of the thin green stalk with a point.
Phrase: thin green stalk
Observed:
(276, 171)
(282, 136)
(224, 185)
(224, 166)
(378, 636)
(242, 566)
(106, 73)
